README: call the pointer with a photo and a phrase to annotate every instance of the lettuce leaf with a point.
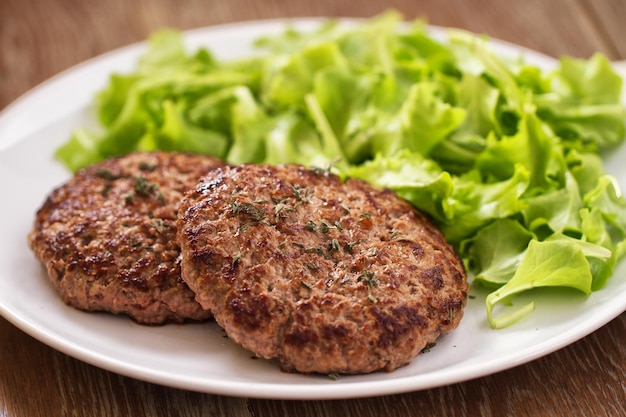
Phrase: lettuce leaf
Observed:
(549, 263)
(584, 106)
(497, 250)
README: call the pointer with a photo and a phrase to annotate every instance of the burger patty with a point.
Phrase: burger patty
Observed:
(323, 275)
(108, 237)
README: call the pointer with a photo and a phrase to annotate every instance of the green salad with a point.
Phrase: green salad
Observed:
(504, 156)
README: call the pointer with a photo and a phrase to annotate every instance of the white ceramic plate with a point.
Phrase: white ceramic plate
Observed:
(199, 357)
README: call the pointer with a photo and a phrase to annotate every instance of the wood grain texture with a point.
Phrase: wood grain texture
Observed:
(36, 380)
(570, 382)
(41, 38)
(38, 39)
(608, 17)
(587, 378)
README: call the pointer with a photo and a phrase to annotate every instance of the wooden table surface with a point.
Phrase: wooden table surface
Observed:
(41, 38)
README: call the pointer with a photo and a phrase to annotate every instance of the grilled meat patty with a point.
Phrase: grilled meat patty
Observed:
(323, 275)
(108, 236)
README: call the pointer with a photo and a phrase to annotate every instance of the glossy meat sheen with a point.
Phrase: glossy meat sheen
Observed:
(324, 276)
(108, 237)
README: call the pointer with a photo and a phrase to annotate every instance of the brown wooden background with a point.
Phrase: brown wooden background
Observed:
(41, 38)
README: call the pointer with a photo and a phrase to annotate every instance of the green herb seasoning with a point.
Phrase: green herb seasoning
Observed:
(106, 174)
(301, 194)
(334, 376)
(146, 166)
(324, 227)
(315, 249)
(142, 187)
(106, 189)
(350, 246)
(369, 278)
(312, 266)
(134, 242)
(129, 197)
(247, 209)
(428, 347)
(158, 224)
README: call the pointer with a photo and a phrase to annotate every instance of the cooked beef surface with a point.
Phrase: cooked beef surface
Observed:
(108, 237)
(323, 275)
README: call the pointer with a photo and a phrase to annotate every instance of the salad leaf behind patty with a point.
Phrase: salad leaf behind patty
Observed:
(504, 156)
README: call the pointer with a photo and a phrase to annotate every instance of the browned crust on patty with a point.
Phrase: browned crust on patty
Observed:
(107, 237)
(325, 276)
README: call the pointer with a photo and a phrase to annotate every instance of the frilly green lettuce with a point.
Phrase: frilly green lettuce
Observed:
(503, 155)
